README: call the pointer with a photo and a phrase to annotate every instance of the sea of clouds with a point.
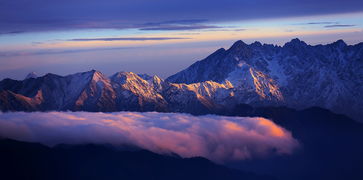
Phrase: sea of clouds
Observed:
(218, 138)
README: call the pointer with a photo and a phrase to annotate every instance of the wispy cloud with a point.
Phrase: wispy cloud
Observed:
(58, 51)
(215, 137)
(339, 25)
(42, 15)
(233, 30)
(328, 24)
(11, 32)
(179, 27)
(189, 33)
(319, 23)
(180, 22)
(173, 25)
(129, 39)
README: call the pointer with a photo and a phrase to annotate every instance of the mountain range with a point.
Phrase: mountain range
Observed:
(295, 75)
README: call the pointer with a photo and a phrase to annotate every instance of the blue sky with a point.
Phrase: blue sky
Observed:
(157, 37)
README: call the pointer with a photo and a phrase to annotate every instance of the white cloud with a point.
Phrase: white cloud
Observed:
(217, 138)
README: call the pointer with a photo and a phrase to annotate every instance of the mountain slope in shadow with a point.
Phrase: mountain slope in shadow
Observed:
(22, 160)
(331, 144)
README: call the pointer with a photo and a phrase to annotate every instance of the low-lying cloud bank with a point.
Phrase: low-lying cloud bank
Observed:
(217, 138)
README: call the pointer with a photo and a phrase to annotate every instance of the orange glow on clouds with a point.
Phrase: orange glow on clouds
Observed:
(217, 138)
(274, 130)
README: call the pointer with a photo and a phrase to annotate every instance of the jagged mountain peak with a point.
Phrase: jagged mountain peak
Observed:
(296, 75)
(92, 75)
(238, 45)
(339, 43)
(86, 73)
(218, 52)
(130, 75)
(145, 76)
(51, 75)
(296, 42)
(98, 76)
(153, 78)
(127, 77)
(256, 44)
(157, 79)
(31, 75)
(94, 72)
(123, 73)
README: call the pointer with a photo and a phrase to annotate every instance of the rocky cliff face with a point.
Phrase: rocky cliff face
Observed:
(92, 91)
(296, 75)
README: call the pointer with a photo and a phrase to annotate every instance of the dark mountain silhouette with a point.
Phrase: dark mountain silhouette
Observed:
(25, 161)
(331, 145)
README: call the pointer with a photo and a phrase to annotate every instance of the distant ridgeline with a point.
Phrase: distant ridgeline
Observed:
(295, 75)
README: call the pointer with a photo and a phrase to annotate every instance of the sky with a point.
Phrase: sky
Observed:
(159, 37)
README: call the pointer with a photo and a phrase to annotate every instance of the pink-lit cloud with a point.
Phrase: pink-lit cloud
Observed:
(217, 138)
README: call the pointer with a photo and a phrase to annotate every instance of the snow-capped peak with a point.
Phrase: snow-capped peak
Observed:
(296, 75)
(31, 75)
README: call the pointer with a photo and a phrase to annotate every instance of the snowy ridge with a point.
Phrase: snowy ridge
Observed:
(296, 75)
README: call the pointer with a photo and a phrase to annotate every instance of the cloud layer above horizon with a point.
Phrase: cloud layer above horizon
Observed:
(217, 138)
(44, 15)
